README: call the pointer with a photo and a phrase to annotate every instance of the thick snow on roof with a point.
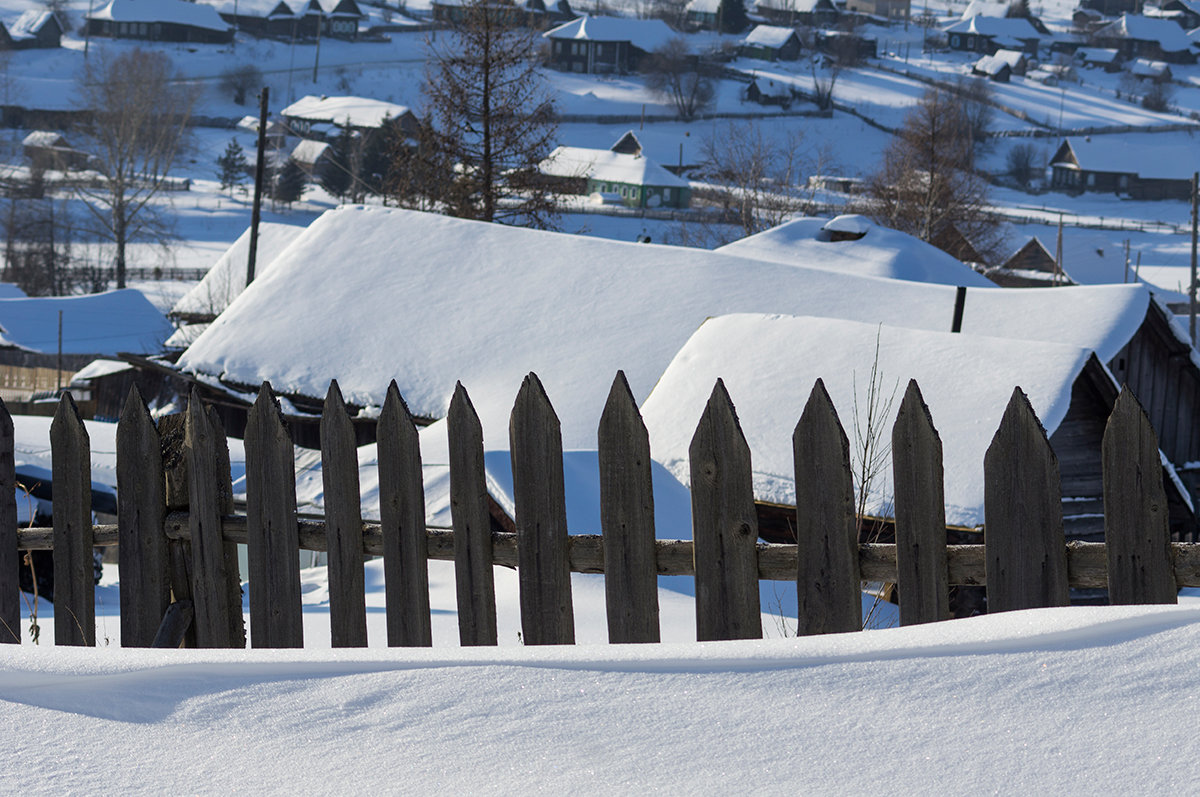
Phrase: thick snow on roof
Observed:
(27, 25)
(174, 11)
(1144, 67)
(227, 277)
(985, 8)
(357, 111)
(370, 294)
(309, 151)
(44, 138)
(1164, 32)
(1097, 55)
(98, 368)
(769, 365)
(704, 6)
(768, 36)
(101, 323)
(645, 34)
(606, 165)
(1008, 27)
(882, 252)
(991, 65)
(1162, 161)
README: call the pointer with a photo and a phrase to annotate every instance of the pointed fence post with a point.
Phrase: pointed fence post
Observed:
(216, 589)
(918, 481)
(402, 516)
(724, 525)
(627, 519)
(544, 566)
(144, 564)
(1023, 535)
(10, 556)
(343, 524)
(1137, 530)
(272, 531)
(828, 589)
(74, 567)
(172, 432)
(474, 580)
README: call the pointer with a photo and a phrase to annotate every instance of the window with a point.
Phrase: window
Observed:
(955, 41)
(1091, 180)
(666, 194)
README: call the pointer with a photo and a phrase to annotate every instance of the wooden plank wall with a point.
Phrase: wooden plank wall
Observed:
(177, 532)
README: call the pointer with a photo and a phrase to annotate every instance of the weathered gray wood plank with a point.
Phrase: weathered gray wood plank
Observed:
(74, 578)
(174, 627)
(1023, 529)
(917, 479)
(10, 557)
(724, 525)
(474, 580)
(547, 613)
(627, 519)
(216, 590)
(827, 578)
(172, 430)
(343, 524)
(1137, 531)
(402, 517)
(144, 564)
(274, 546)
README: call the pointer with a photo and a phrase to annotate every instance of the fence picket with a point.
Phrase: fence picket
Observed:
(216, 591)
(141, 508)
(74, 568)
(172, 430)
(1022, 503)
(10, 556)
(1137, 531)
(827, 579)
(402, 517)
(474, 580)
(343, 524)
(917, 478)
(627, 519)
(273, 546)
(535, 442)
(724, 525)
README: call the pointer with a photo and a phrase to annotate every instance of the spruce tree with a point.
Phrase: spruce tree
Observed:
(289, 185)
(338, 175)
(231, 166)
(732, 16)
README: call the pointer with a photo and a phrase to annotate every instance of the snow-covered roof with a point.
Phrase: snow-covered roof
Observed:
(703, 6)
(44, 139)
(1016, 28)
(608, 166)
(1143, 67)
(985, 8)
(1165, 33)
(770, 88)
(1097, 55)
(770, 363)
(178, 12)
(797, 6)
(227, 277)
(260, 8)
(881, 252)
(355, 111)
(98, 368)
(368, 294)
(99, 323)
(27, 25)
(1162, 162)
(991, 65)
(309, 151)
(1011, 57)
(645, 34)
(768, 36)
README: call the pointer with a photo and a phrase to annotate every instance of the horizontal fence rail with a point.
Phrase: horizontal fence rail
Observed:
(177, 533)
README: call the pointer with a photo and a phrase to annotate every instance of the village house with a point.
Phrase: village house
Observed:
(988, 34)
(1186, 13)
(30, 30)
(622, 170)
(994, 69)
(766, 91)
(1112, 8)
(1031, 266)
(791, 13)
(160, 20)
(771, 43)
(49, 150)
(323, 117)
(532, 13)
(1086, 164)
(314, 157)
(1146, 37)
(1107, 58)
(1150, 71)
(703, 14)
(605, 45)
(890, 10)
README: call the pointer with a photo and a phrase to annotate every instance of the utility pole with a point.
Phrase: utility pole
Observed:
(1192, 283)
(317, 57)
(258, 183)
(1058, 254)
(1126, 277)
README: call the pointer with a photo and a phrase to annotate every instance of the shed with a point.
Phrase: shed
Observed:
(1107, 58)
(771, 43)
(314, 157)
(1031, 266)
(993, 68)
(1153, 71)
(49, 149)
(767, 91)
(34, 29)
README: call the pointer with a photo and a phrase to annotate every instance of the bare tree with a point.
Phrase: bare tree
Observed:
(1024, 162)
(673, 73)
(138, 111)
(1158, 97)
(491, 116)
(240, 80)
(927, 183)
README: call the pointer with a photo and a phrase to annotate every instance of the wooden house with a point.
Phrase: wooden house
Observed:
(765, 91)
(605, 45)
(32, 29)
(314, 157)
(771, 43)
(1086, 164)
(951, 240)
(845, 46)
(1031, 266)
(342, 22)
(323, 117)
(1106, 58)
(1186, 13)
(791, 13)
(988, 34)
(160, 20)
(621, 170)
(1146, 37)
(47, 149)
(1149, 71)
(994, 69)
(1111, 8)
(890, 10)
(703, 14)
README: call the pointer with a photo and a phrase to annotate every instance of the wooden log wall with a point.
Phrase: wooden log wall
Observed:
(177, 533)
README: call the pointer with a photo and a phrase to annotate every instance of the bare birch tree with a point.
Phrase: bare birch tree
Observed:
(138, 115)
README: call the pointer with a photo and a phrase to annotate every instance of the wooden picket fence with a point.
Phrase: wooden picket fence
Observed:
(177, 532)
